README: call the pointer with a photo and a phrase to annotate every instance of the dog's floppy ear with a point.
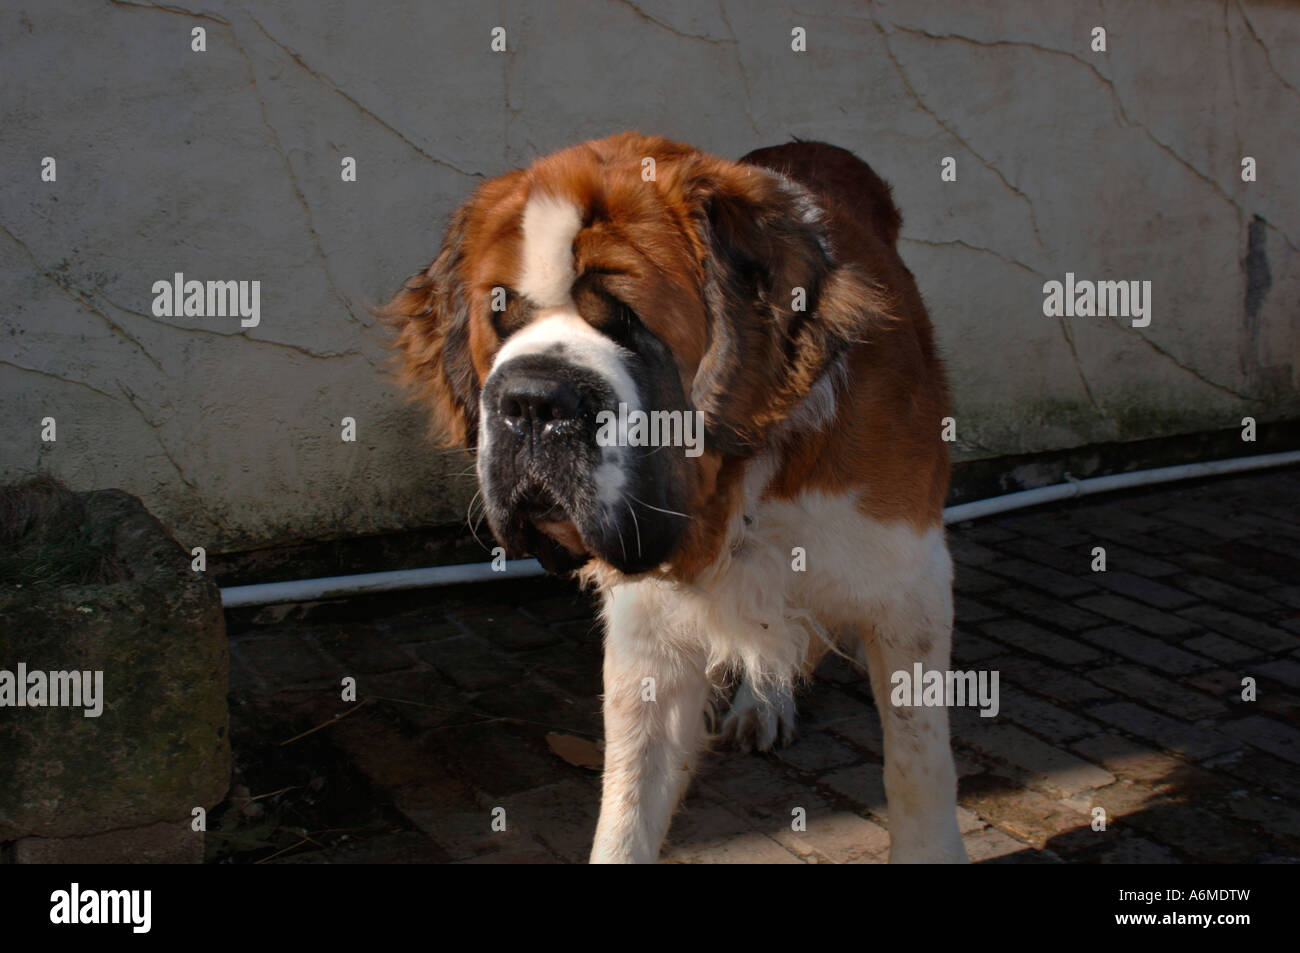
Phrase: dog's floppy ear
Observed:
(781, 310)
(430, 318)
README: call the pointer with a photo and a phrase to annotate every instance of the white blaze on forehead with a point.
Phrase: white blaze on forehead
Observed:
(550, 225)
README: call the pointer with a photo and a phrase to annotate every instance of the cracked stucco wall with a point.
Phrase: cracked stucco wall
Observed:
(225, 165)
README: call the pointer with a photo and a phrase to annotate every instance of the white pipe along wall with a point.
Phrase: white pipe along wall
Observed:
(330, 587)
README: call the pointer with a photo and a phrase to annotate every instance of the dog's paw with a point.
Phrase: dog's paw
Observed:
(756, 723)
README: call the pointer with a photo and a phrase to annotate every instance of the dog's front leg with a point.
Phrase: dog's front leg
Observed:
(655, 697)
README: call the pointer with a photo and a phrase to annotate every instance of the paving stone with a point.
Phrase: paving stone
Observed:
(1241, 628)
(967, 579)
(362, 649)
(1043, 679)
(418, 628)
(1044, 765)
(836, 837)
(401, 847)
(1134, 613)
(1042, 717)
(1044, 609)
(1207, 564)
(863, 785)
(987, 532)
(1285, 671)
(1199, 517)
(1205, 835)
(1145, 590)
(863, 731)
(500, 759)
(1030, 816)
(562, 816)
(1263, 771)
(563, 608)
(1049, 580)
(967, 610)
(748, 848)
(968, 647)
(757, 787)
(470, 663)
(825, 704)
(1142, 684)
(574, 668)
(1267, 735)
(1130, 759)
(1275, 818)
(1149, 651)
(1128, 559)
(1131, 848)
(1219, 682)
(1273, 562)
(1220, 648)
(284, 659)
(817, 752)
(1030, 638)
(422, 697)
(1073, 561)
(506, 628)
(524, 856)
(1287, 595)
(534, 702)
(970, 553)
(1223, 594)
(1193, 741)
(991, 844)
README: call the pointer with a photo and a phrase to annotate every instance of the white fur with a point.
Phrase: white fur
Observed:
(752, 613)
(549, 225)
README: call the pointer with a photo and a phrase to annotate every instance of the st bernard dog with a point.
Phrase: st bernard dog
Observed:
(765, 295)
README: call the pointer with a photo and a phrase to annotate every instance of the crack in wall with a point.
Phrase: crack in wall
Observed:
(1264, 47)
(921, 103)
(652, 19)
(154, 429)
(1110, 87)
(335, 87)
(170, 8)
(78, 296)
(961, 243)
(1065, 332)
(740, 66)
(240, 336)
(293, 182)
(61, 380)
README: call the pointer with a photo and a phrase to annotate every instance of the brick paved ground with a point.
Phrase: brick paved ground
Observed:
(1119, 690)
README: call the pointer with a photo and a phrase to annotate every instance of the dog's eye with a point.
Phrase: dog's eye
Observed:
(507, 310)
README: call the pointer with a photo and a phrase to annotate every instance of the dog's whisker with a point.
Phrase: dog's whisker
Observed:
(636, 524)
(658, 509)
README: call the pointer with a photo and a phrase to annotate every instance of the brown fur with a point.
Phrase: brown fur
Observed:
(708, 255)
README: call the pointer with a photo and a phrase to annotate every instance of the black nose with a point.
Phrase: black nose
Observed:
(528, 403)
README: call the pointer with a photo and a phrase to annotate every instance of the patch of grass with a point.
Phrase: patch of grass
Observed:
(48, 539)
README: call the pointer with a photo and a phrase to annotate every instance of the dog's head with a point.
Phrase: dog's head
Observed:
(626, 275)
